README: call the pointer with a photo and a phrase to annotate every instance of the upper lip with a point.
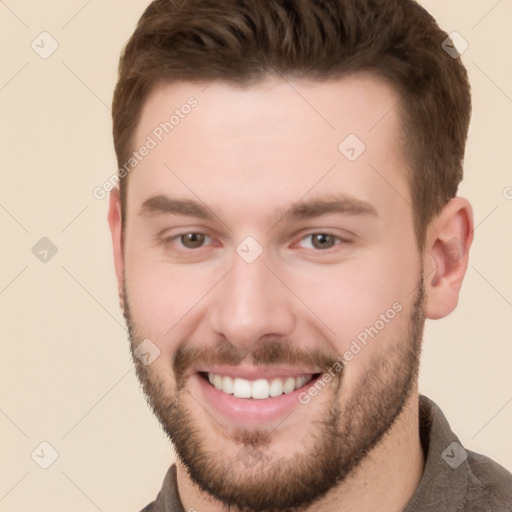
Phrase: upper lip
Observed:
(257, 372)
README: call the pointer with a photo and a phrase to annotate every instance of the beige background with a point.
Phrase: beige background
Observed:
(66, 375)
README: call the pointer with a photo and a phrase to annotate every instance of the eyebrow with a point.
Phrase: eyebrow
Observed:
(332, 204)
(186, 207)
(341, 204)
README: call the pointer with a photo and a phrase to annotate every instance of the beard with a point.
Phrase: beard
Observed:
(338, 440)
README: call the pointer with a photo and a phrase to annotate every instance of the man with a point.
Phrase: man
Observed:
(286, 220)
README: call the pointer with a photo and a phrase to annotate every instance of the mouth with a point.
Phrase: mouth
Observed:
(259, 389)
(249, 397)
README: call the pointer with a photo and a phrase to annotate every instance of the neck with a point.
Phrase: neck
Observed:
(398, 458)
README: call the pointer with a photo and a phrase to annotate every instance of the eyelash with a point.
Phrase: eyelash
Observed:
(338, 240)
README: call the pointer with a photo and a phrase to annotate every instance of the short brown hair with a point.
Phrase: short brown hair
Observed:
(244, 41)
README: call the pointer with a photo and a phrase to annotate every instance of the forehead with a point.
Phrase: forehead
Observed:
(276, 140)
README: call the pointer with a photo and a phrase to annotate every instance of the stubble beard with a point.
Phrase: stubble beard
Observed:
(340, 439)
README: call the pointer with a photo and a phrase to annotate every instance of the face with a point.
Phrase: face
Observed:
(270, 263)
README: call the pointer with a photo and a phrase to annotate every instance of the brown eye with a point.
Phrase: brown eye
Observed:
(323, 241)
(193, 240)
(320, 241)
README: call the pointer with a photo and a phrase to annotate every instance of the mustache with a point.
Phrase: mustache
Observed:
(272, 352)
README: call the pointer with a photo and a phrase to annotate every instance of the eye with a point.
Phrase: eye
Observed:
(321, 241)
(192, 240)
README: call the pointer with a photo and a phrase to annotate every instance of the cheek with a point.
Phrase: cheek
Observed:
(163, 298)
(364, 299)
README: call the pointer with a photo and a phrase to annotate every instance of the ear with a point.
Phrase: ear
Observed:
(449, 239)
(116, 230)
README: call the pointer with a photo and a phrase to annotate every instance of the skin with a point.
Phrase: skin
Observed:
(250, 155)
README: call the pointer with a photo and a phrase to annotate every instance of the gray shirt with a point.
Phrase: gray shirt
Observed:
(454, 479)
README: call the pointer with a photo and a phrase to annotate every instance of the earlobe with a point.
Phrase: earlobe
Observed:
(449, 239)
(116, 230)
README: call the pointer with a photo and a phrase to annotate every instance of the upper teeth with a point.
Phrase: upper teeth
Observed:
(261, 388)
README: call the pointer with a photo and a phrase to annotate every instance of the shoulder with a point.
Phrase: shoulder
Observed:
(469, 483)
(489, 484)
(168, 499)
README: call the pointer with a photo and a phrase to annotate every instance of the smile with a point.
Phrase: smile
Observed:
(259, 389)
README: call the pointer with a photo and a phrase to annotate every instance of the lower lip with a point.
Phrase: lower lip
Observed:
(251, 410)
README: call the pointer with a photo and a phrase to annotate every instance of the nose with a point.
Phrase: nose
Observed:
(252, 302)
